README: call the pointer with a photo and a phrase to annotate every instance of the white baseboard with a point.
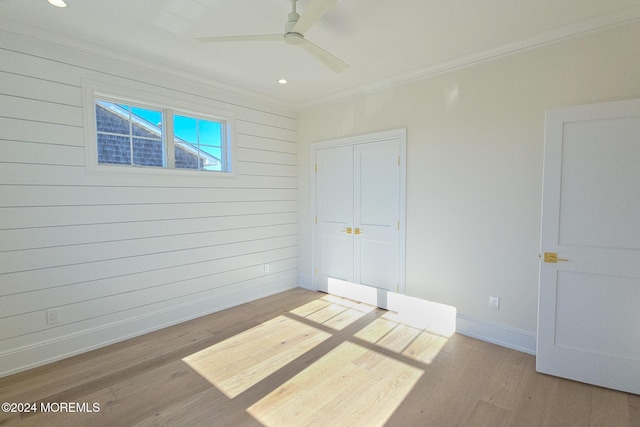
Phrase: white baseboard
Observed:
(504, 336)
(21, 359)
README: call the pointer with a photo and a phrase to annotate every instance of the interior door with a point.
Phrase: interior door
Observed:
(358, 215)
(334, 214)
(376, 214)
(589, 296)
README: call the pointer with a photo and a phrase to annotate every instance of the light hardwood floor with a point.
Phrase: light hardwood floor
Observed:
(302, 358)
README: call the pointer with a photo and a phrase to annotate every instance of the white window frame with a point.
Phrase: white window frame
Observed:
(93, 91)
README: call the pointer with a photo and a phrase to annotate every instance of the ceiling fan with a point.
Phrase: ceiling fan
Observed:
(294, 31)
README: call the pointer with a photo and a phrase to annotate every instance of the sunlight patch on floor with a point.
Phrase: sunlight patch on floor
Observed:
(349, 385)
(425, 347)
(417, 344)
(368, 365)
(239, 362)
(332, 311)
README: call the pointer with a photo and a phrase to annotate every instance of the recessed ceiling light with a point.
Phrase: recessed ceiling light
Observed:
(58, 3)
(282, 81)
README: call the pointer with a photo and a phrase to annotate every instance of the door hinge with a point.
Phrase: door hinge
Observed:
(316, 271)
(398, 225)
(316, 220)
(316, 168)
(398, 160)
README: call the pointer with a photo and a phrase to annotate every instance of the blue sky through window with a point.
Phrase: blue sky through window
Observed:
(188, 129)
(204, 134)
(152, 116)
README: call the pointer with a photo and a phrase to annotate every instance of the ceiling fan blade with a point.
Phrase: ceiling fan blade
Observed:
(314, 11)
(331, 61)
(251, 38)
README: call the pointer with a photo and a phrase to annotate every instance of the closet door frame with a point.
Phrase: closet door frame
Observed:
(401, 136)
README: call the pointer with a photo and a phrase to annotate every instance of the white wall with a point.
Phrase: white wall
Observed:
(121, 254)
(474, 170)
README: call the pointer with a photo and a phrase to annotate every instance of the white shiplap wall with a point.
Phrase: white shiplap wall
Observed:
(122, 254)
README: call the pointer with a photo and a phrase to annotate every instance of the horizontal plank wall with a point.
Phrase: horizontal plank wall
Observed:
(123, 254)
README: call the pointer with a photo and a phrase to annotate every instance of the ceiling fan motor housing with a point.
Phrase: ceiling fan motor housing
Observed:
(294, 38)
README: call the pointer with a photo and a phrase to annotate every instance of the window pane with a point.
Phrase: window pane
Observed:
(147, 152)
(210, 132)
(184, 128)
(114, 149)
(118, 125)
(111, 118)
(211, 151)
(147, 123)
(198, 143)
(186, 159)
(217, 167)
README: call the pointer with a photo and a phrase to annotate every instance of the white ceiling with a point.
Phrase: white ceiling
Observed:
(383, 41)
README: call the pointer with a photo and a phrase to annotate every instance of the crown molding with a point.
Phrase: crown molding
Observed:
(575, 30)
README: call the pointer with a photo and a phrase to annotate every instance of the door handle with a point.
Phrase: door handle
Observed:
(347, 230)
(358, 231)
(552, 257)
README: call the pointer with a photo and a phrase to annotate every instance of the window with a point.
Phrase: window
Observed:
(131, 133)
(198, 143)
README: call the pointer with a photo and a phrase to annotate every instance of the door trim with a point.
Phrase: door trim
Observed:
(400, 134)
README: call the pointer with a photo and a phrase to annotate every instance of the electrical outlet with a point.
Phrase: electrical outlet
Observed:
(53, 316)
(494, 303)
(267, 268)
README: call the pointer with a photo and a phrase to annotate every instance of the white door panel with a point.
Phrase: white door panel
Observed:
(378, 264)
(377, 179)
(601, 183)
(336, 173)
(376, 214)
(586, 326)
(337, 256)
(334, 207)
(588, 321)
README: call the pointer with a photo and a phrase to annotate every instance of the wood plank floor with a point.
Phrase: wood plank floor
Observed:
(302, 358)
